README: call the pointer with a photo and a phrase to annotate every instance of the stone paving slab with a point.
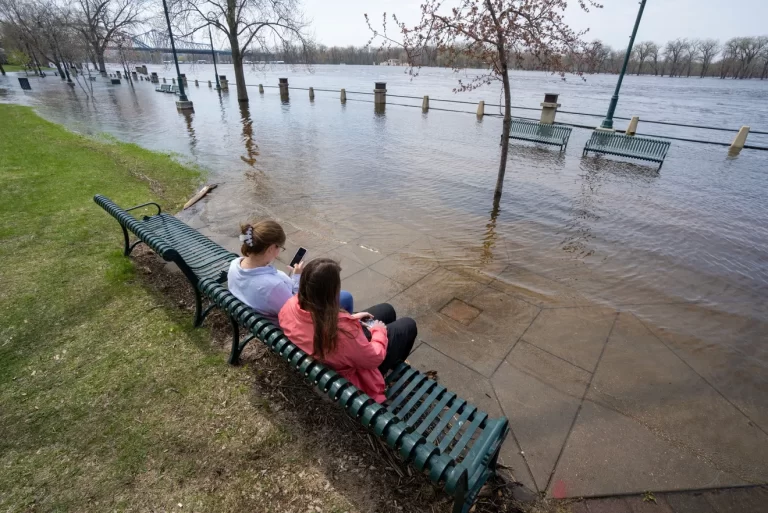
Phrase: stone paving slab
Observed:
(434, 291)
(608, 452)
(639, 377)
(540, 394)
(484, 342)
(370, 288)
(714, 344)
(576, 335)
(537, 289)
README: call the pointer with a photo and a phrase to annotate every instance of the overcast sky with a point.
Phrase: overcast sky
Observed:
(340, 22)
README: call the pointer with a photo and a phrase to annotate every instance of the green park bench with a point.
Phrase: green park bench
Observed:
(441, 435)
(165, 88)
(174, 89)
(556, 135)
(632, 146)
(197, 256)
(451, 441)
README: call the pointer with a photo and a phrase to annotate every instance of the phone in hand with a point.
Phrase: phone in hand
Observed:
(298, 257)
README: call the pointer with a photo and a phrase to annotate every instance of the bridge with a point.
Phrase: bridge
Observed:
(158, 41)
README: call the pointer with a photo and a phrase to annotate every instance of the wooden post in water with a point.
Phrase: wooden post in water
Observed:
(311, 94)
(741, 139)
(632, 128)
(261, 89)
(283, 83)
(481, 109)
(380, 97)
(425, 104)
(343, 96)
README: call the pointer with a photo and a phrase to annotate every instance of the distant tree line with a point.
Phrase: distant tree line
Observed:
(740, 58)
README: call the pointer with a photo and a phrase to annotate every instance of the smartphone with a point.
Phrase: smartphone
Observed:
(298, 257)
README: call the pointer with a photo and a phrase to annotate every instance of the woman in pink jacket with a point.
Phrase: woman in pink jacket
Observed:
(362, 347)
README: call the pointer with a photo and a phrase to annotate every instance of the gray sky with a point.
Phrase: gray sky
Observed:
(340, 22)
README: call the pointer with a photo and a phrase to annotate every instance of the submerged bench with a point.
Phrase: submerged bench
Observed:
(556, 135)
(632, 146)
(450, 440)
(197, 256)
(165, 88)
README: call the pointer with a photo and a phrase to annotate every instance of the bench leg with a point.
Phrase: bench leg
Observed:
(460, 496)
(234, 355)
(199, 315)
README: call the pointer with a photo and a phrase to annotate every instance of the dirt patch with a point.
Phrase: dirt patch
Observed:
(354, 462)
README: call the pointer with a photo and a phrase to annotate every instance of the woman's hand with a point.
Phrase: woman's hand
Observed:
(361, 315)
(377, 324)
(298, 268)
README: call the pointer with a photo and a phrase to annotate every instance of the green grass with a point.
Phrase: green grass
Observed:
(15, 67)
(109, 400)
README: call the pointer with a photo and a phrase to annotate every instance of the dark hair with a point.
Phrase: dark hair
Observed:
(319, 289)
(263, 235)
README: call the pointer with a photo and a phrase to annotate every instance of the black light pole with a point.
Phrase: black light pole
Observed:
(608, 121)
(182, 96)
(213, 54)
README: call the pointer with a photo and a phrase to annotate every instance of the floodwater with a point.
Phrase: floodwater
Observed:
(618, 232)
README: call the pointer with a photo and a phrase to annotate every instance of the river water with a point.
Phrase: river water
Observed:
(619, 232)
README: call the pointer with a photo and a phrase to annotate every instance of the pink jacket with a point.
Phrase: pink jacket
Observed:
(355, 358)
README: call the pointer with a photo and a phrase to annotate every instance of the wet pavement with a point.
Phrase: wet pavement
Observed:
(601, 400)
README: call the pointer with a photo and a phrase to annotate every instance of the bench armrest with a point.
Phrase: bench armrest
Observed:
(159, 210)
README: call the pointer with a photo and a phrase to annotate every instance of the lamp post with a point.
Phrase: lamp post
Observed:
(213, 54)
(607, 123)
(183, 102)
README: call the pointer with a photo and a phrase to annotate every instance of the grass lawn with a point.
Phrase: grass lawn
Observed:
(14, 67)
(109, 399)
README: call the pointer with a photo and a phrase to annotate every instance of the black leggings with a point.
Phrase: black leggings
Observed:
(401, 334)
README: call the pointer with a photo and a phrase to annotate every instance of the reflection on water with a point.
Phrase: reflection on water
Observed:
(623, 232)
(251, 148)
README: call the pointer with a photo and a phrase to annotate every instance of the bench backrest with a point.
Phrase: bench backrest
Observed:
(534, 129)
(635, 145)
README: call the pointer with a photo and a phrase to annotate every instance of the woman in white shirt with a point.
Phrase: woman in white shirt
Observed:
(254, 281)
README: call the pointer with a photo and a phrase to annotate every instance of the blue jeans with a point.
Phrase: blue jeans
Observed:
(346, 301)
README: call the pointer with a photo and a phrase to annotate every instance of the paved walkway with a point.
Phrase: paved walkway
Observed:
(601, 400)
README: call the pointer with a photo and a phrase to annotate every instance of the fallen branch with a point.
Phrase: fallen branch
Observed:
(200, 195)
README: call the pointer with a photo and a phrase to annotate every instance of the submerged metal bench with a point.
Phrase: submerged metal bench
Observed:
(197, 256)
(165, 88)
(556, 135)
(451, 441)
(632, 146)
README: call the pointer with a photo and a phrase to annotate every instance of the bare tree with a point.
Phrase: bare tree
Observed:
(267, 23)
(708, 48)
(654, 53)
(102, 21)
(764, 56)
(745, 50)
(691, 54)
(673, 54)
(642, 51)
(496, 32)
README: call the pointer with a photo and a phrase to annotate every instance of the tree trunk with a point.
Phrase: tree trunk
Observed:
(506, 124)
(2, 70)
(99, 53)
(237, 62)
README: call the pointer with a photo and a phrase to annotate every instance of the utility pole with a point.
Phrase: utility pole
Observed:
(213, 54)
(183, 102)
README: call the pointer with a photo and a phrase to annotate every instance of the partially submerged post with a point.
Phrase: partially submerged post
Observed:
(380, 96)
(261, 89)
(196, 83)
(741, 139)
(224, 83)
(481, 109)
(164, 80)
(311, 94)
(632, 128)
(283, 82)
(549, 108)
(425, 104)
(209, 84)
(343, 96)
(154, 78)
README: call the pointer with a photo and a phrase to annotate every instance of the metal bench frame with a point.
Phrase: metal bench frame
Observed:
(164, 88)
(197, 256)
(450, 440)
(630, 146)
(556, 135)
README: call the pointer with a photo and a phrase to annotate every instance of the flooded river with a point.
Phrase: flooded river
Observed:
(618, 232)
